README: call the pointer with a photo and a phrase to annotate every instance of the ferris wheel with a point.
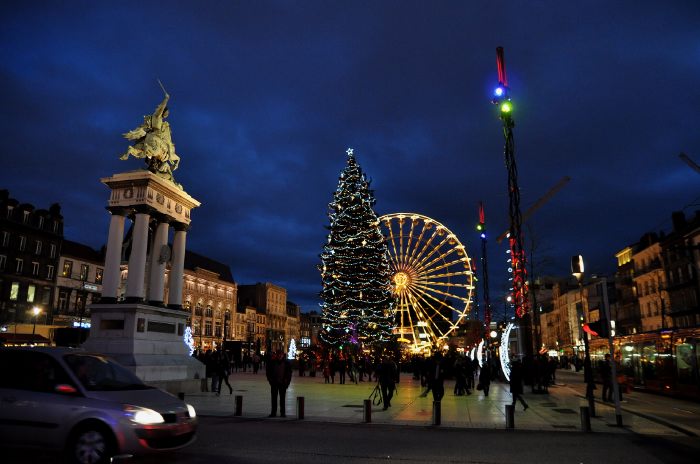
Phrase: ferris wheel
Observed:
(432, 279)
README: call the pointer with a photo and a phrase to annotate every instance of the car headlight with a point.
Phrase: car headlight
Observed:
(143, 416)
(190, 409)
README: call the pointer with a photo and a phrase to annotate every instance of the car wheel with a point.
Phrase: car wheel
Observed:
(90, 444)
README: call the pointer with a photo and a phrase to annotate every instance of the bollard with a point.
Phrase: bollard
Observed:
(238, 411)
(437, 413)
(585, 419)
(591, 405)
(510, 416)
(367, 417)
(618, 420)
(300, 407)
(181, 395)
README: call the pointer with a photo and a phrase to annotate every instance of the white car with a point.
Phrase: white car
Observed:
(87, 405)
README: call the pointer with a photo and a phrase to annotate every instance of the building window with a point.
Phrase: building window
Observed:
(207, 328)
(52, 252)
(3, 261)
(35, 268)
(208, 312)
(55, 226)
(49, 272)
(22, 242)
(67, 268)
(5, 238)
(84, 269)
(25, 218)
(98, 276)
(62, 300)
(31, 292)
(9, 211)
(37, 251)
(20, 264)
(198, 310)
(41, 222)
(14, 291)
(46, 296)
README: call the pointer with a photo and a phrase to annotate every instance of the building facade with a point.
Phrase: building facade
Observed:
(30, 246)
(209, 295)
(650, 282)
(680, 259)
(78, 283)
(272, 301)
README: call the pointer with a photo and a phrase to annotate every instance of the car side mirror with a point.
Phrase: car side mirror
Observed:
(65, 389)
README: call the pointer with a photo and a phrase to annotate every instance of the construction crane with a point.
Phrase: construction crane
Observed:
(690, 162)
(544, 199)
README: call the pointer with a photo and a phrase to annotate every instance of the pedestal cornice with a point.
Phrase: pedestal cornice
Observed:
(143, 188)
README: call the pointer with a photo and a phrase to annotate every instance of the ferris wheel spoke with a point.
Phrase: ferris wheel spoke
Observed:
(393, 246)
(427, 244)
(415, 241)
(401, 257)
(435, 311)
(449, 274)
(443, 254)
(420, 326)
(438, 249)
(430, 290)
(445, 264)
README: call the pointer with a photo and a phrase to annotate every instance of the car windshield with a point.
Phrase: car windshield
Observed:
(99, 373)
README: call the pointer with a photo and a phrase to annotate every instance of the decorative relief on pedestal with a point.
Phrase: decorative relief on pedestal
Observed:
(128, 193)
(178, 208)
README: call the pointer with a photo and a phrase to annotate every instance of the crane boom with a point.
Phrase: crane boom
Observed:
(690, 162)
(544, 199)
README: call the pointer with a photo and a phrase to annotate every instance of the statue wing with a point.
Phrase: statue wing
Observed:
(136, 134)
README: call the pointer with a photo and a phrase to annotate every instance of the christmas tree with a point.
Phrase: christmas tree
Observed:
(357, 301)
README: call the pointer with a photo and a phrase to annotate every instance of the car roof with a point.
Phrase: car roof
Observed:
(52, 350)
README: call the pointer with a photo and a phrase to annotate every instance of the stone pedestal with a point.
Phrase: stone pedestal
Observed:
(149, 340)
(146, 338)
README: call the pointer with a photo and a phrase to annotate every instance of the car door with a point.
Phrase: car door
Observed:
(31, 411)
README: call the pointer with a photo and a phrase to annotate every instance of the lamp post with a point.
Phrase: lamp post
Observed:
(35, 313)
(577, 270)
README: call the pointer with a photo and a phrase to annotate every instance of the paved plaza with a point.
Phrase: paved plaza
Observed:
(559, 410)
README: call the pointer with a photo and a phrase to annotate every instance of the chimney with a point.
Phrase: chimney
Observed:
(678, 218)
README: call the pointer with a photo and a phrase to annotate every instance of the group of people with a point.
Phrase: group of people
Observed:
(468, 375)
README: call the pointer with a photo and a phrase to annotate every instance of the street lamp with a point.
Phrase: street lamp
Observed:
(577, 270)
(35, 311)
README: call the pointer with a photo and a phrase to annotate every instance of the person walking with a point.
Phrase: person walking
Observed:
(438, 377)
(516, 383)
(485, 378)
(279, 375)
(606, 374)
(386, 376)
(223, 369)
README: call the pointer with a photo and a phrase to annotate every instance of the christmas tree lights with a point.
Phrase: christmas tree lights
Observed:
(357, 302)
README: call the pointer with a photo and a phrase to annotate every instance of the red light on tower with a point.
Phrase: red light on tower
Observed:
(501, 65)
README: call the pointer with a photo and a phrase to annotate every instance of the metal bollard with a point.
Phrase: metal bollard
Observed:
(181, 395)
(437, 413)
(367, 412)
(510, 416)
(238, 411)
(591, 405)
(300, 407)
(585, 419)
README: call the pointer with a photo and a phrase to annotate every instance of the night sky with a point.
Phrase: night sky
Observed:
(267, 96)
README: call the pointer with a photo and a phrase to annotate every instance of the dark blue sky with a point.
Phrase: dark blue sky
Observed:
(266, 97)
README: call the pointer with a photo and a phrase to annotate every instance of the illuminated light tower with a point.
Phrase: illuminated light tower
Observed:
(481, 228)
(517, 252)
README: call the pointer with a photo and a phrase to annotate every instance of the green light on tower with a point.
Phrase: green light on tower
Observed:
(506, 107)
